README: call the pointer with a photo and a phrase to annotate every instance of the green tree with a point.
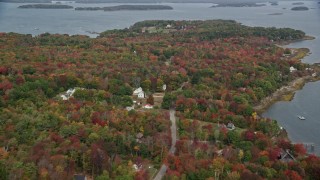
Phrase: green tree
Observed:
(146, 85)
(168, 101)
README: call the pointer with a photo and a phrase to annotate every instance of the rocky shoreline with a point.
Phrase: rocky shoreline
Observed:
(286, 93)
(283, 93)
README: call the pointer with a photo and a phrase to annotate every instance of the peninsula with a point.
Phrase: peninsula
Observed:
(174, 97)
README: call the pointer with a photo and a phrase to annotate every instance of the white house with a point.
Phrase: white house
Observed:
(67, 95)
(136, 167)
(64, 97)
(129, 108)
(141, 95)
(137, 91)
(164, 87)
(148, 106)
(231, 126)
(292, 69)
(71, 91)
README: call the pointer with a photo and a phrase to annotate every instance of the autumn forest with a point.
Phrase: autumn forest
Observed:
(212, 73)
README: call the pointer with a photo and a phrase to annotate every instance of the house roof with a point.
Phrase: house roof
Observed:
(287, 156)
(137, 91)
(139, 135)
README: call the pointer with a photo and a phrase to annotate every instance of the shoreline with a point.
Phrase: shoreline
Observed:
(286, 93)
(285, 43)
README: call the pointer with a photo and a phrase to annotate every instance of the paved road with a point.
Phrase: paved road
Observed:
(173, 128)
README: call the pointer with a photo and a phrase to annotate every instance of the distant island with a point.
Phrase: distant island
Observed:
(298, 3)
(116, 1)
(275, 14)
(45, 6)
(244, 4)
(274, 3)
(125, 7)
(300, 8)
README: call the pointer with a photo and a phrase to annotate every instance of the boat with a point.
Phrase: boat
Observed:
(301, 118)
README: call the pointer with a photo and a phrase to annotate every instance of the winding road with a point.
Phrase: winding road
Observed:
(173, 128)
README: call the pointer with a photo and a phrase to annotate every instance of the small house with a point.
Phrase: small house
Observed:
(67, 95)
(231, 126)
(292, 69)
(136, 167)
(129, 108)
(64, 97)
(141, 95)
(137, 91)
(286, 156)
(164, 87)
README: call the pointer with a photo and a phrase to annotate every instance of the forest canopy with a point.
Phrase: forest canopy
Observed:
(214, 73)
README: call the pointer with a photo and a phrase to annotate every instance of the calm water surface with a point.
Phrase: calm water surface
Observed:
(306, 102)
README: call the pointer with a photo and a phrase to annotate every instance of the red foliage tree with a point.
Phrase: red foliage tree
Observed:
(292, 175)
(299, 149)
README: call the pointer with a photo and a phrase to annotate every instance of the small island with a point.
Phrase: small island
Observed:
(275, 14)
(274, 3)
(125, 7)
(45, 6)
(248, 4)
(298, 3)
(300, 8)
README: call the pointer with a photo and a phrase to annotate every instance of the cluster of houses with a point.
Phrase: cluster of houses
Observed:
(139, 94)
(139, 97)
(293, 69)
(167, 28)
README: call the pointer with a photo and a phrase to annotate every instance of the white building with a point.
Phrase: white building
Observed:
(137, 91)
(231, 126)
(67, 95)
(141, 95)
(292, 69)
(129, 108)
(314, 74)
(164, 87)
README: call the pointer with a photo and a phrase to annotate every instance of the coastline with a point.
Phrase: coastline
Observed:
(305, 38)
(286, 93)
